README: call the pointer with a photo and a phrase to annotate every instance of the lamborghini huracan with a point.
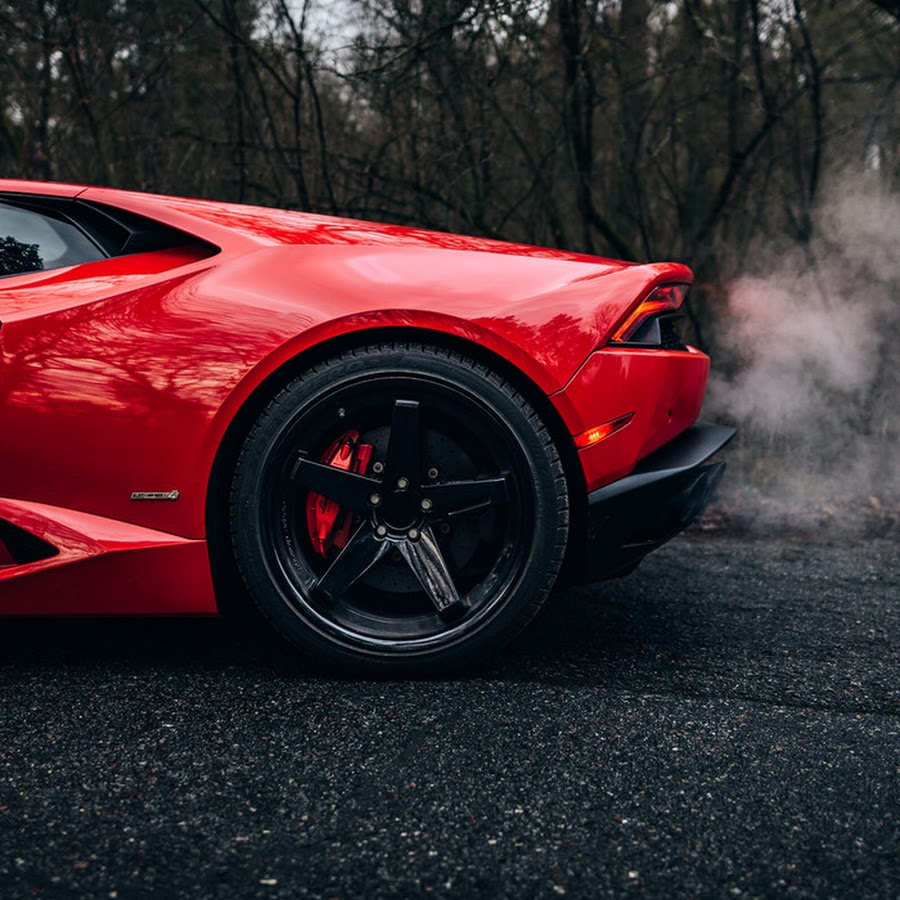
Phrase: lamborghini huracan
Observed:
(391, 442)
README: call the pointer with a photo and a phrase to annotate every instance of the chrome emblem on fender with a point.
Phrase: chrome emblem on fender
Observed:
(155, 495)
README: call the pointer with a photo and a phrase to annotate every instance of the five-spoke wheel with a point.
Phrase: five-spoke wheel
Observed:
(399, 509)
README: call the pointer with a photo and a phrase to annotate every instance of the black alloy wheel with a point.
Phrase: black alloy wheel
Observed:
(399, 509)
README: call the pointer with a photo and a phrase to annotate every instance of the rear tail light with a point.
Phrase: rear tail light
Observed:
(667, 298)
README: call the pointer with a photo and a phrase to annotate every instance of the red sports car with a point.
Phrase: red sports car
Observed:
(392, 441)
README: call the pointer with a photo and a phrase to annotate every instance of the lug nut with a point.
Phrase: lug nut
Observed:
(375, 499)
(378, 467)
(402, 483)
(426, 504)
(433, 473)
(413, 534)
(445, 528)
(380, 530)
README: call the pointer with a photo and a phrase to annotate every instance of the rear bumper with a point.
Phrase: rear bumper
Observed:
(665, 492)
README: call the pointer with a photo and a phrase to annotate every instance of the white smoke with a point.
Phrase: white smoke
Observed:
(808, 367)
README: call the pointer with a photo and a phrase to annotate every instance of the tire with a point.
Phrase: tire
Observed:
(399, 509)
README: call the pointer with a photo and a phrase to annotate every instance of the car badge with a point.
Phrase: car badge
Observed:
(155, 495)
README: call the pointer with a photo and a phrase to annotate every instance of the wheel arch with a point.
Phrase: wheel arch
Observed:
(229, 591)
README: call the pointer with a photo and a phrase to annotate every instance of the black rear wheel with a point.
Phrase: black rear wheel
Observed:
(399, 509)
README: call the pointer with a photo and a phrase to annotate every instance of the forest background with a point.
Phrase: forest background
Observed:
(756, 140)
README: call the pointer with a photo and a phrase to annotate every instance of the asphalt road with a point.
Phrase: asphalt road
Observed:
(724, 722)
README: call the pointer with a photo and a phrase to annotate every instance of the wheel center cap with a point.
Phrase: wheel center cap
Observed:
(400, 510)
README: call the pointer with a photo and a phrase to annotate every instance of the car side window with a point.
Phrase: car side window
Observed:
(32, 241)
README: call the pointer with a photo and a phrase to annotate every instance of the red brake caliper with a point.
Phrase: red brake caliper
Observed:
(328, 524)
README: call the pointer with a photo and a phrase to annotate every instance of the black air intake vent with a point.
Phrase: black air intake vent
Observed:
(22, 546)
(670, 333)
(660, 330)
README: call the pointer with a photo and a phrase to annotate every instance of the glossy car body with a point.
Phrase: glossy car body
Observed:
(136, 374)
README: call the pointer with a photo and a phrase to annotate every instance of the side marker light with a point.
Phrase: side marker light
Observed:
(601, 432)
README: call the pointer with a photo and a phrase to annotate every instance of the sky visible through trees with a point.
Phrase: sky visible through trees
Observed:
(734, 135)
